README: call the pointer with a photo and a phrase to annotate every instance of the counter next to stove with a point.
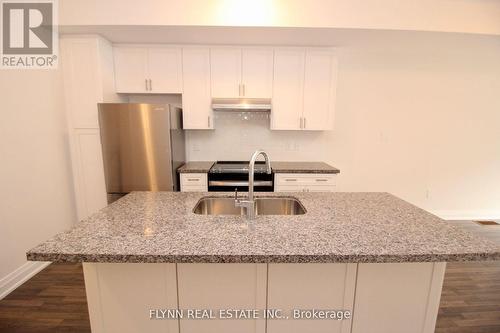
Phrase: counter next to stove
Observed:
(277, 167)
(201, 176)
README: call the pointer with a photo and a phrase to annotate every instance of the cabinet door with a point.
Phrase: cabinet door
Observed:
(289, 188)
(319, 89)
(222, 286)
(310, 286)
(196, 98)
(130, 69)
(320, 188)
(165, 70)
(257, 72)
(82, 91)
(225, 69)
(389, 296)
(288, 88)
(88, 164)
(120, 296)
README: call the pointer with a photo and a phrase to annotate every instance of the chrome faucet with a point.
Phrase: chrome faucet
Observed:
(249, 204)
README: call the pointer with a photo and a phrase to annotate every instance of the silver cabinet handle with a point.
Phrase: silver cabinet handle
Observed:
(150, 85)
(146, 83)
(193, 179)
(208, 121)
(304, 122)
(243, 89)
(291, 179)
(300, 122)
(321, 180)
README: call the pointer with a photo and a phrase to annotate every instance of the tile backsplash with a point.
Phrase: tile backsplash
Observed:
(237, 135)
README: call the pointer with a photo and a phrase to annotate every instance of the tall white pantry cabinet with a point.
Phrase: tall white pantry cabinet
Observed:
(87, 64)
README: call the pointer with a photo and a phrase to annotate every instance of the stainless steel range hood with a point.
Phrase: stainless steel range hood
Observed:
(241, 104)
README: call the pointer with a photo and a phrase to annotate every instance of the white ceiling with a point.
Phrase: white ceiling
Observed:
(248, 35)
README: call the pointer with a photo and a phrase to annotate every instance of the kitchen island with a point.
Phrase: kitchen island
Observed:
(372, 254)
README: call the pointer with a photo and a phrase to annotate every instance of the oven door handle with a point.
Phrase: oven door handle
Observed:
(239, 183)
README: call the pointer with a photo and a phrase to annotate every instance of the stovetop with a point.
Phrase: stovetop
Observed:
(237, 167)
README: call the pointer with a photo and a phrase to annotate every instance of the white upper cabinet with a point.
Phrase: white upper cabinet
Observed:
(196, 97)
(304, 87)
(319, 89)
(148, 70)
(165, 70)
(301, 82)
(225, 70)
(257, 72)
(237, 72)
(288, 89)
(130, 69)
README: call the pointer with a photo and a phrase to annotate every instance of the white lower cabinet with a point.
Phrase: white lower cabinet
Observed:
(120, 297)
(381, 297)
(194, 182)
(397, 297)
(304, 182)
(306, 287)
(90, 186)
(222, 286)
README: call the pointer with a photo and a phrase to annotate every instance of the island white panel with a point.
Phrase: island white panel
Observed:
(310, 286)
(120, 296)
(397, 297)
(222, 286)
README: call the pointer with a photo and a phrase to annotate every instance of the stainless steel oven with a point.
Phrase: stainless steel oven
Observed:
(227, 176)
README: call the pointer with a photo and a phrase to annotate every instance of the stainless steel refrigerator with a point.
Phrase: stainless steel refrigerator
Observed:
(142, 147)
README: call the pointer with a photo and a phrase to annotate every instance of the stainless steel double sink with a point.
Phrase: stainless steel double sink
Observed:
(263, 206)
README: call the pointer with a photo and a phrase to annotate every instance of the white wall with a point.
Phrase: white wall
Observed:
(36, 197)
(418, 115)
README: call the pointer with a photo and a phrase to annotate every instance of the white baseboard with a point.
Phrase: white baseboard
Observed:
(19, 276)
(467, 215)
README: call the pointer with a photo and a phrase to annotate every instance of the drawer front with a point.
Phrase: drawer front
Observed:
(192, 179)
(304, 179)
(194, 182)
(304, 188)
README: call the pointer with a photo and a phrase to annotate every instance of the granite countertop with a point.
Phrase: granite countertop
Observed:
(196, 167)
(338, 227)
(278, 167)
(303, 167)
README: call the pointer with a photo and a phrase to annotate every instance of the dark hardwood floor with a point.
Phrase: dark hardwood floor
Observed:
(54, 300)
(470, 300)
